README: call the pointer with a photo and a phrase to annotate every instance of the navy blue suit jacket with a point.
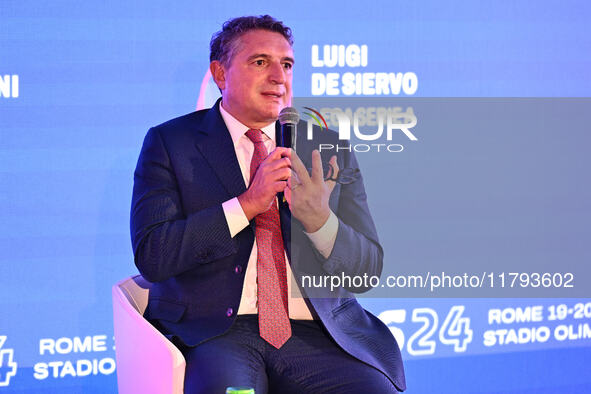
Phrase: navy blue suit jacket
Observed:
(187, 168)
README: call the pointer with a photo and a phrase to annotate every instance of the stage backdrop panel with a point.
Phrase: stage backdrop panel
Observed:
(81, 83)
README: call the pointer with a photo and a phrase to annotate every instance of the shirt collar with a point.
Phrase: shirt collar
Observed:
(237, 129)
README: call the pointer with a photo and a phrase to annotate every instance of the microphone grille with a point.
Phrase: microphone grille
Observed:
(289, 115)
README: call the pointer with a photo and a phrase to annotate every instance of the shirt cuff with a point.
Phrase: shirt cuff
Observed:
(235, 216)
(325, 237)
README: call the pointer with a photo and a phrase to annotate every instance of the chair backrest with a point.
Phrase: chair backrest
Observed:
(147, 362)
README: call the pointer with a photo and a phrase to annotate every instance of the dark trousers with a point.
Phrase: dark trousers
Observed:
(309, 362)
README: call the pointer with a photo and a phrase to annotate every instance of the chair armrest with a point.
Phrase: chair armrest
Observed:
(147, 362)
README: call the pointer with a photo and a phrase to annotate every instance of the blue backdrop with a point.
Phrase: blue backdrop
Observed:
(81, 83)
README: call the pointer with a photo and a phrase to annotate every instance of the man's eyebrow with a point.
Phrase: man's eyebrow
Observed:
(265, 56)
(258, 55)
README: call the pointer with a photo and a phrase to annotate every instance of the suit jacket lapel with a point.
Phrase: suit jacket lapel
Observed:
(215, 144)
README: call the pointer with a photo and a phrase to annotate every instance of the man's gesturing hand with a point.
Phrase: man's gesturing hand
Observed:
(269, 179)
(308, 195)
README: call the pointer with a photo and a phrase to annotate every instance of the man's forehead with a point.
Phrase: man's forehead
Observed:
(263, 42)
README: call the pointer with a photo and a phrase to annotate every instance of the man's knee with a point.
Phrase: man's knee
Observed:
(211, 368)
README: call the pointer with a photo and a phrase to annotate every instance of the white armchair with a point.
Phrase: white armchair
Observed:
(147, 362)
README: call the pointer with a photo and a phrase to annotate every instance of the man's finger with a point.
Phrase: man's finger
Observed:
(279, 186)
(283, 162)
(287, 193)
(335, 173)
(317, 170)
(281, 174)
(278, 153)
(300, 169)
(335, 167)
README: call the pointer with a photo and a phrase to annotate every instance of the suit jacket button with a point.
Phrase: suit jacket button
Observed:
(229, 312)
(238, 269)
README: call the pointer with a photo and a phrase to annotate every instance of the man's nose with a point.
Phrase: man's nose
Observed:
(277, 73)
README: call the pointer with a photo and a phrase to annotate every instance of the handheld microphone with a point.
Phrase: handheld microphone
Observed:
(289, 118)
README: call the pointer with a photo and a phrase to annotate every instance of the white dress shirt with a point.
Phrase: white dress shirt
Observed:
(323, 239)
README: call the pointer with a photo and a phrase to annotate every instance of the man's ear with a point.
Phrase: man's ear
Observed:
(218, 74)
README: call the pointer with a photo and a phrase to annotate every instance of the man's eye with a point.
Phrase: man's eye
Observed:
(288, 66)
(259, 62)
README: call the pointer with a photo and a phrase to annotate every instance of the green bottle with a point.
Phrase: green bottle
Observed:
(239, 390)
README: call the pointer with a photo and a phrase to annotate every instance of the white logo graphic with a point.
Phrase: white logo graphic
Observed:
(7, 364)
(394, 316)
(9, 86)
(455, 330)
(393, 118)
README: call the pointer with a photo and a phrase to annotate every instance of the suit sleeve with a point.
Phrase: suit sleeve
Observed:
(165, 241)
(357, 250)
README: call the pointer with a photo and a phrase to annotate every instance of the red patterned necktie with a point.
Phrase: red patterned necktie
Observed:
(274, 325)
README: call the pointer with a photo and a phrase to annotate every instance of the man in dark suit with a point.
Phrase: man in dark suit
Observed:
(227, 257)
